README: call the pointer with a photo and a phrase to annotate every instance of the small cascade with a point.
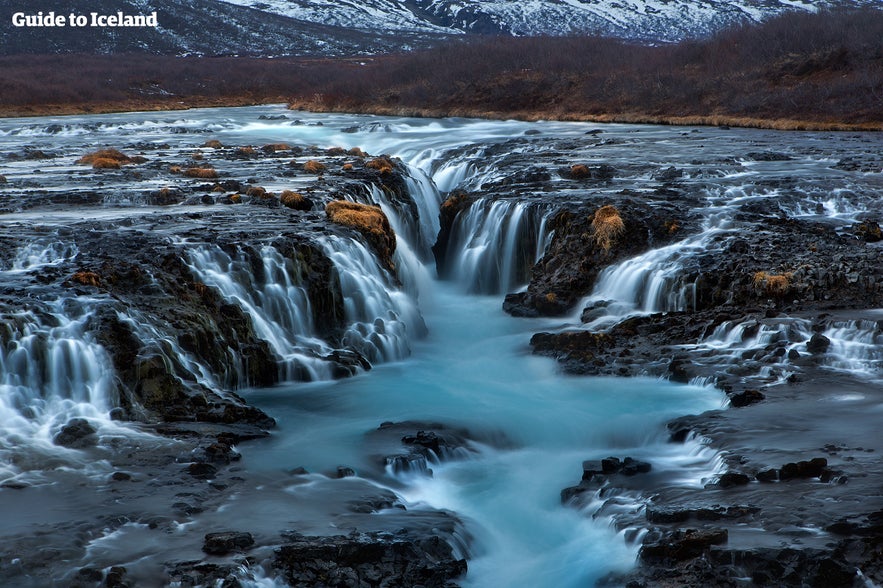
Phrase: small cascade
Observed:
(274, 299)
(39, 254)
(420, 231)
(651, 282)
(51, 370)
(856, 347)
(381, 316)
(494, 244)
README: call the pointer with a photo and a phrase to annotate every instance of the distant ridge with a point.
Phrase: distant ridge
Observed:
(334, 28)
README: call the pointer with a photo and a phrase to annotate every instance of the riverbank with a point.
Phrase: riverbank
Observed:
(796, 72)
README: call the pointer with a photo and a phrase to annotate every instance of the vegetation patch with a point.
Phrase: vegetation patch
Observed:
(607, 226)
(201, 172)
(213, 144)
(773, 284)
(314, 167)
(370, 222)
(107, 159)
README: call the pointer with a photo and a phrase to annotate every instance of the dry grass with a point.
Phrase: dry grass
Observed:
(607, 226)
(274, 147)
(314, 167)
(86, 278)
(106, 159)
(201, 172)
(294, 200)
(368, 220)
(773, 284)
(579, 172)
(383, 164)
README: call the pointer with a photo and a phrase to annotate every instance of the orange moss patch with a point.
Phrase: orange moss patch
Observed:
(104, 156)
(383, 164)
(335, 151)
(347, 167)
(256, 192)
(213, 144)
(295, 200)
(368, 220)
(236, 198)
(314, 167)
(273, 147)
(201, 172)
(86, 278)
(103, 163)
(356, 152)
(773, 284)
(607, 225)
(579, 172)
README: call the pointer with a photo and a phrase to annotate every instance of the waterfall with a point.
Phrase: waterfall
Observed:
(274, 299)
(51, 370)
(381, 316)
(493, 245)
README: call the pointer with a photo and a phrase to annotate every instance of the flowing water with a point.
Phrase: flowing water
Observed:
(442, 351)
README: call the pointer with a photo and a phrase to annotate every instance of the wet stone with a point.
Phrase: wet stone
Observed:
(226, 542)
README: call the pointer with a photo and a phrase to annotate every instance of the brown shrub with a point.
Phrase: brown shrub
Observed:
(607, 225)
(579, 172)
(256, 192)
(314, 167)
(105, 155)
(86, 278)
(347, 167)
(104, 163)
(273, 147)
(246, 151)
(356, 152)
(773, 284)
(335, 151)
(368, 220)
(213, 144)
(295, 200)
(201, 172)
(383, 164)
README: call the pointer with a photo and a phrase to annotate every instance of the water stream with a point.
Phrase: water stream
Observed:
(442, 350)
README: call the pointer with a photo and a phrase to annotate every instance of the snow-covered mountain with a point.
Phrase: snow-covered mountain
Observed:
(655, 20)
(330, 28)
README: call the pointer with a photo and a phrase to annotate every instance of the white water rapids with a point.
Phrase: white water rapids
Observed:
(442, 351)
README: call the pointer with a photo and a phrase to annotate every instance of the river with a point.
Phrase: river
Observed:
(448, 355)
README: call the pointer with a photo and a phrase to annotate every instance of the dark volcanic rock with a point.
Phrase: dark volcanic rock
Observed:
(77, 434)
(370, 559)
(225, 542)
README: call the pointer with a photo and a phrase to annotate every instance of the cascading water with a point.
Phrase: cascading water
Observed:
(532, 427)
(51, 371)
(493, 245)
(277, 304)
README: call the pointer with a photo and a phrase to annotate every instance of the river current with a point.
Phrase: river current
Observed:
(531, 427)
